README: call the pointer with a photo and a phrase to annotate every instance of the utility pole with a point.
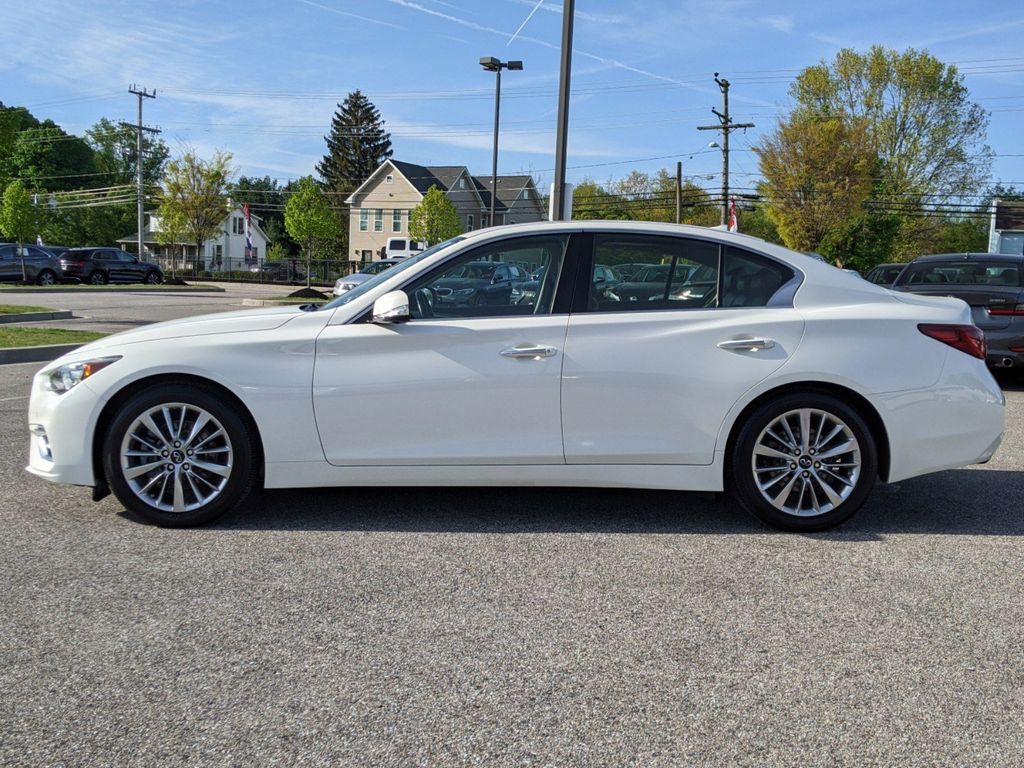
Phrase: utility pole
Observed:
(139, 128)
(726, 126)
(679, 192)
(565, 76)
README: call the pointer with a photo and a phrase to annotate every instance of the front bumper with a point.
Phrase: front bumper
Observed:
(61, 427)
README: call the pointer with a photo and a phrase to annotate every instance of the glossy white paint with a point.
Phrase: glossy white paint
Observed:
(654, 387)
(631, 399)
(440, 392)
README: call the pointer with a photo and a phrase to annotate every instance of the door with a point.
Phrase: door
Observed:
(650, 375)
(10, 264)
(460, 383)
(129, 268)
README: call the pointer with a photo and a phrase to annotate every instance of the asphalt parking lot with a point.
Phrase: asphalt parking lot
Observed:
(540, 627)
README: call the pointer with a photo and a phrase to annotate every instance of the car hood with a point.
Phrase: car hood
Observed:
(354, 279)
(202, 325)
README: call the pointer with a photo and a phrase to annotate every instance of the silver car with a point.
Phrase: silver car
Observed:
(346, 284)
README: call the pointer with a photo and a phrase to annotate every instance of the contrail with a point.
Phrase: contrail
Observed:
(525, 22)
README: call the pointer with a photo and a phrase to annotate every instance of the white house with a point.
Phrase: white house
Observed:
(224, 252)
(1006, 230)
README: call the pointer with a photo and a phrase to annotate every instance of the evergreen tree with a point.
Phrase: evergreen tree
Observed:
(357, 145)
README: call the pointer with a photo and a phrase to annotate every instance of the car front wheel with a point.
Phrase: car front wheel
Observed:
(804, 462)
(97, 278)
(152, 278)
(179, 456)
(47, 277)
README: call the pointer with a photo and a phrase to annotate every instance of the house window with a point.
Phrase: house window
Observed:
(255, 253)
(389, 179)
(396, 220)
(378, 220)
(364, 220)
(469, 222)
(462, 183)
(238, 225)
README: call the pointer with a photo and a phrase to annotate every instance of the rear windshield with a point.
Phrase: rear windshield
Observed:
(963, 273)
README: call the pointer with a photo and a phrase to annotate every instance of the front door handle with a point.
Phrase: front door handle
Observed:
(747, 345)
(533, 352)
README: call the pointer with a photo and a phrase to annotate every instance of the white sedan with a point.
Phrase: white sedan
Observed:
(743, 366)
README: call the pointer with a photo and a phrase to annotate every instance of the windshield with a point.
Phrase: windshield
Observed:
(387, 274)
(473, 271)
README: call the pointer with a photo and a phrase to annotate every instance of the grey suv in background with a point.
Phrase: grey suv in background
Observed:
(41, 265)
(990, 283)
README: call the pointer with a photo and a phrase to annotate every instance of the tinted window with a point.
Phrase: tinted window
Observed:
(122, 256)
(468, 286)
(963, 273)
(655, 273)
(7, 252)
(749, 280)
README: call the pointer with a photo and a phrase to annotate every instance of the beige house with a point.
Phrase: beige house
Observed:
(380, 208)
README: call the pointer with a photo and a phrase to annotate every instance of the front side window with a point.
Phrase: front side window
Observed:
(364, 220)
(480, 283)
(378, 220)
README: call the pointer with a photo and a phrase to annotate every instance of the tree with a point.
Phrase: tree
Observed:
(435, 219)
(17, 217)
(309, 219)
(818, 174)
(927, 134)
(115, 148)
(194, 194)
(172, 232)
(356, 146)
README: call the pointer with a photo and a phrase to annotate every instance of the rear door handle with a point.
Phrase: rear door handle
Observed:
(747, 345)
(533, 352)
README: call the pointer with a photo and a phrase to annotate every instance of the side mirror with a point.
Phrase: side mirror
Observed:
(391, 308)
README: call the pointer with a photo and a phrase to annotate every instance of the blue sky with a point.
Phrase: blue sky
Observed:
(262, 78)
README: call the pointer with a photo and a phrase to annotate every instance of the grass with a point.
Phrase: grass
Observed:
(36, 337)
(14, 309)
(130, 286)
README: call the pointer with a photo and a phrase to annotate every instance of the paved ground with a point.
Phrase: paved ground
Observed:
(113, 312)
(538, 627)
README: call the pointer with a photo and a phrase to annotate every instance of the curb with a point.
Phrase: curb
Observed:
(116, 289)
(42, 354)
(30, 317)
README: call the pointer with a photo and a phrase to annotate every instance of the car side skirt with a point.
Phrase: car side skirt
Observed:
(651, 476)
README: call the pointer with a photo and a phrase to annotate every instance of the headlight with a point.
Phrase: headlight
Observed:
(67, 377)
(464, 291)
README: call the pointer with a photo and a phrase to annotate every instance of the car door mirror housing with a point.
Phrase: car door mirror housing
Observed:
(391, 308)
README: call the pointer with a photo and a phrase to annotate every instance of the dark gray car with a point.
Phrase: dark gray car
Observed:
(41, 265)
(990, 283)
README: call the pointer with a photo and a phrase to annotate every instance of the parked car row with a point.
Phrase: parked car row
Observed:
(47, 265)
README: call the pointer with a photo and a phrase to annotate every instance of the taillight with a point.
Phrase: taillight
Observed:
(1004, 310)
(966, 338)
(69, 263)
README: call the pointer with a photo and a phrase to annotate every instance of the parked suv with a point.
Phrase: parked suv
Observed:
(41, 266)
(107, 265)
(990, 283)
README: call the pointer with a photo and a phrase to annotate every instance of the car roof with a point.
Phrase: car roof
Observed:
(968, 257)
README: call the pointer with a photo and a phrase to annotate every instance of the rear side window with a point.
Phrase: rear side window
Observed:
(963, 273)
(749, 280)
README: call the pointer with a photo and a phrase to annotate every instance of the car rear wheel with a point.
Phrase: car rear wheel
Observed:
(97, 278)
(152, 278)
(179, 456)
(804, 462)
(46, 277)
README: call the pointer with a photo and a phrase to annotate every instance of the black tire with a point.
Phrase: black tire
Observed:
(243, 444)
(744, 485)
(46, 277)
(480, 300)
(97, 278)
(153, 278)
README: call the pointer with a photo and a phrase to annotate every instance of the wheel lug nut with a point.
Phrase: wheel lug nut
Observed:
(185, 467)
(164, 454)
(817, 465)
(189, 452)
(170, 467)
(177, 444)
(807, 474)
(793, 465)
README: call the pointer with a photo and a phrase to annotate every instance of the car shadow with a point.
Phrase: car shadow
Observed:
(958, 502)
(1009, 379)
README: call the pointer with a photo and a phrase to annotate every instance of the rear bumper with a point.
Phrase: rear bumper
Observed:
(955, 423)
(1001, 346)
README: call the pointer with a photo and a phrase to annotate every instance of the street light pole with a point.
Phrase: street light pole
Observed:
(568, 15)
(492, 64)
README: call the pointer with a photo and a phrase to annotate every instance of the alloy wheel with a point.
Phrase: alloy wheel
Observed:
(176, 457)
(806, 462)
